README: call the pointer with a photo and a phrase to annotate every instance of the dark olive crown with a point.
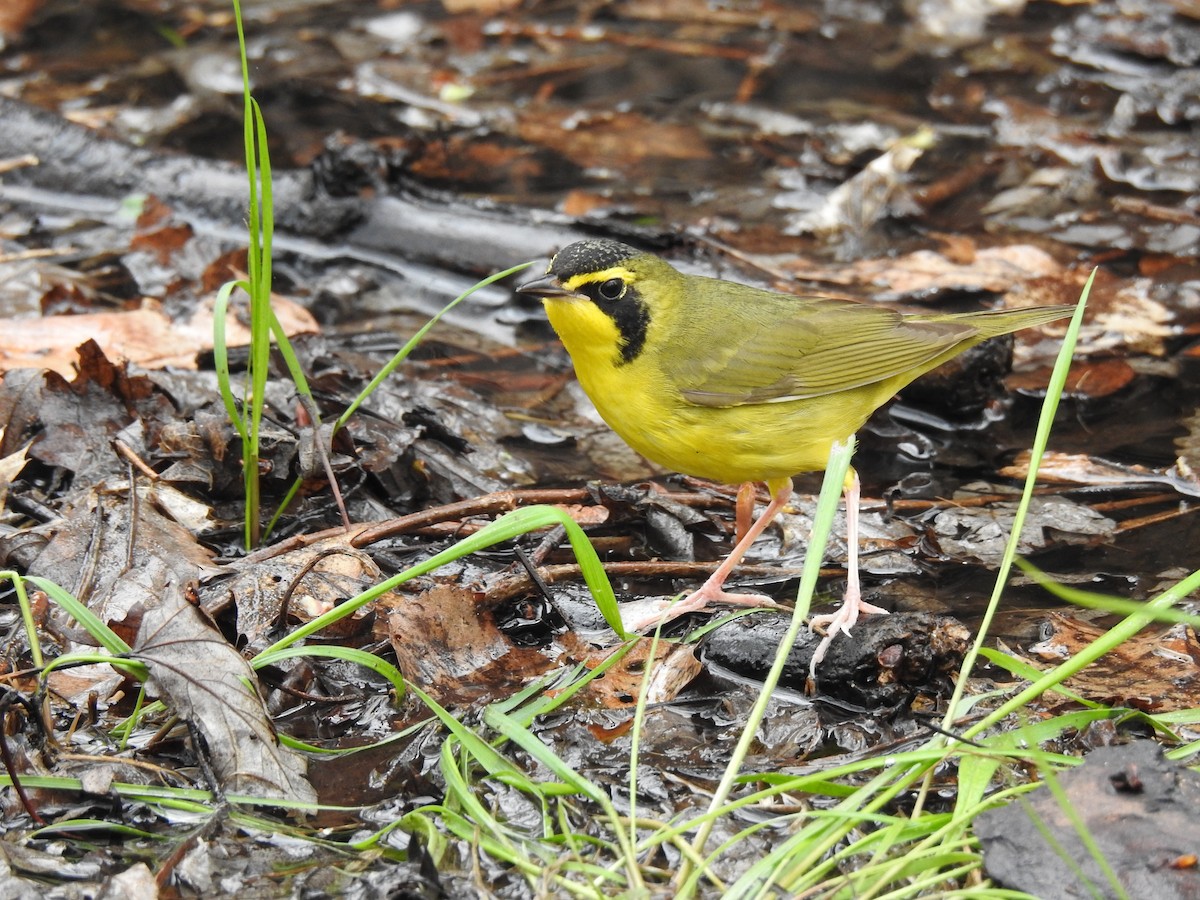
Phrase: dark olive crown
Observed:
(592, 255)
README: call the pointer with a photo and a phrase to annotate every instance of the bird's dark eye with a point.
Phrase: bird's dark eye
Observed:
(612, 289)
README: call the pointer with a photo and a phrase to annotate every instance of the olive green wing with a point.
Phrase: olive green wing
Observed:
(774, 348)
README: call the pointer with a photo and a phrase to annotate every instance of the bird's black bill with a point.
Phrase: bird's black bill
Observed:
(545, 287)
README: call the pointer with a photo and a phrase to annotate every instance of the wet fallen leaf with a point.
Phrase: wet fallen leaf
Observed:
(1158, 671)
(885, 542)
(981, 533)
(75, 422)
(143, 336)
(1077, 468)
(1133, 321)
(206, 681)
(42, 864)
(447, 642)
(1187, 446)
(858, 204)
(309, 581)
(159, 232)
(612, 139)
(471, 162)
(115, 553)
(135, 883)
(1087, 378)
(948, 24)
(80, 683)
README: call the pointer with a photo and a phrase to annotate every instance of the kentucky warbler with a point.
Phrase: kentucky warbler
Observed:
(737, 384)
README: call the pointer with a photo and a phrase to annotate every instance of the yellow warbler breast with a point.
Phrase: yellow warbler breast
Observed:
(642, 401)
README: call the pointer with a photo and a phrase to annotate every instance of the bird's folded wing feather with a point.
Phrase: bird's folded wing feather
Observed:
(796, 350)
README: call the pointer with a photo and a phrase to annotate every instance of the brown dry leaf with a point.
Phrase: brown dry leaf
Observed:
(614, 140)
(10, 467)
(1156, 671)
(993, 269)
(448, 644)
(482, 7)
(79, 683)
(1122, 317)
(578, 203)
(466, 158)
(1086, 378)
(49, 343)
(312, 580)
(775, 17)
(164, 241)
(14, 14)
(143, 336)
(206, 681)
(116, 555)
(674, 666)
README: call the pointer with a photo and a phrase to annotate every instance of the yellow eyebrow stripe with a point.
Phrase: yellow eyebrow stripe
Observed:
(575, 282)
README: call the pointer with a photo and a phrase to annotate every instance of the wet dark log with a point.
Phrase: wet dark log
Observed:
(886, 662)
(80, 166)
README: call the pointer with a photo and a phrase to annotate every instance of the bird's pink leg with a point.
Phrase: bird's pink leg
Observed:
(744, 510)
(713, 590)
(853, 604)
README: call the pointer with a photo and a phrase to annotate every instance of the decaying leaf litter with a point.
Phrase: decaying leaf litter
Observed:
(995, 159)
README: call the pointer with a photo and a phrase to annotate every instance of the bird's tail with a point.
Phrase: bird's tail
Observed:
(995, 322)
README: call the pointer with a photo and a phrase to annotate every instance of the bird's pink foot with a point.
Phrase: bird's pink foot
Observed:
(646, 614)
(655, 612)
(843, 620)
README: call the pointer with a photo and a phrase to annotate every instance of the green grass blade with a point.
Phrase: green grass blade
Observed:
(1058, 380)
(27, 620)
(105, 636)
(221, 356)
(403, 353)
(1105, 602)
(1116, 635)
(332, 651)
(507, 527)
(492, 761)
(827, 504)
